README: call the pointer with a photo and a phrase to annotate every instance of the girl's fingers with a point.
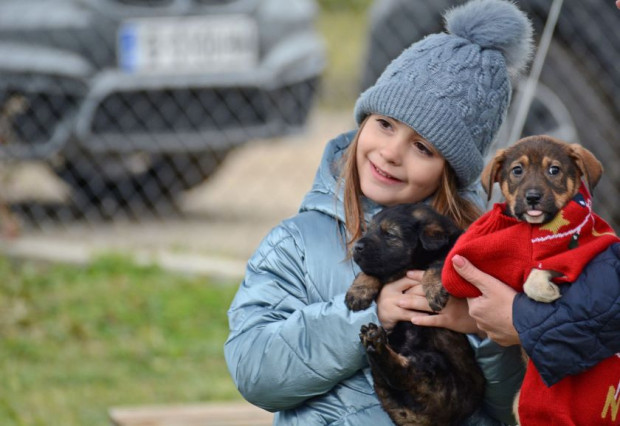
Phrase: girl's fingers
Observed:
(402, 285)
(389, 318)
(427, 320)
(414, 302)
(399, 286)
(415, 290)
(415, 275)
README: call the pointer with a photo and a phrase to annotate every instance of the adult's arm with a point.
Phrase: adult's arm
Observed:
(579, 329)
(562, 338)
(282, 348)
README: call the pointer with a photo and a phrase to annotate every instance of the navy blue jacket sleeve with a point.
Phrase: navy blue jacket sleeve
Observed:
(579, 329)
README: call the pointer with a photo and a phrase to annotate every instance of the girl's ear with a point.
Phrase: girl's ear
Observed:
(591, 169)
(489, 173)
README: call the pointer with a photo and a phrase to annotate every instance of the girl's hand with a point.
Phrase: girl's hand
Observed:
(404, 300)
(401, 300)
(454, 316)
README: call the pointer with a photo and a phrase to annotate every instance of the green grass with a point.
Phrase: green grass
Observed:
(79, 340)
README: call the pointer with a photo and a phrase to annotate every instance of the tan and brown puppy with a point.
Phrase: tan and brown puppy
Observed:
(538, 176)
(546, 230)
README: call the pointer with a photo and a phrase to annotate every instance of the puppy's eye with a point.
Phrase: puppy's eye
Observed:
(554, 170)
(517, 170)
(390, 234)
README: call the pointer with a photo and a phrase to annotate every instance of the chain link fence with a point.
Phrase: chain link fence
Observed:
(116, 108)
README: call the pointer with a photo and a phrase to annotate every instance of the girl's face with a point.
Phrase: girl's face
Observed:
(396, 165)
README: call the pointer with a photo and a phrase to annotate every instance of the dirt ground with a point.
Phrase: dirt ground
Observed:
(225, 218)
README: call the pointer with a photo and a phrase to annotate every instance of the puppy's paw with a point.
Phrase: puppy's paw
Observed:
(362, 292)
(436, 295)
(373, 337)
(359, 298)
(438, 299)
(539, 287)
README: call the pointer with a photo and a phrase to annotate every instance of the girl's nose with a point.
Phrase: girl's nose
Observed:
(392, 151)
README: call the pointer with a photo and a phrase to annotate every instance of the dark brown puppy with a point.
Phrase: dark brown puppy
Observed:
(538, 176)
(422, 375)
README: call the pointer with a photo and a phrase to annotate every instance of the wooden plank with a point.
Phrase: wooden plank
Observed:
(220, 414)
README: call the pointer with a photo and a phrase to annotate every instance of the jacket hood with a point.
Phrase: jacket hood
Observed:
(327, 193)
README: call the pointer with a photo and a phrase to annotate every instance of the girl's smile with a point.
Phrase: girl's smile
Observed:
(396, 165)
(382, 175)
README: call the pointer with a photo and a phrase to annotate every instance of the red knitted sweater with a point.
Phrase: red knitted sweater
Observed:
(508, 249)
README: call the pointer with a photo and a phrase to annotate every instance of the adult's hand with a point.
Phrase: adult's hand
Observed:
(492, 311)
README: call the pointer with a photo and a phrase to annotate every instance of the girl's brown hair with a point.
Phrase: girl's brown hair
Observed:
(446, 201)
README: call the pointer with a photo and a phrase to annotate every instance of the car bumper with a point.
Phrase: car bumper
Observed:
(123, 112)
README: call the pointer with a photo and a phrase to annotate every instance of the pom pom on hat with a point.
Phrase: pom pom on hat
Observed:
(454, 88)
(495, 25)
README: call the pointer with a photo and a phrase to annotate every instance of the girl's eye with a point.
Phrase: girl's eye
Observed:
(384, 123)
(423, 148)
(517, 170)
(554, 170)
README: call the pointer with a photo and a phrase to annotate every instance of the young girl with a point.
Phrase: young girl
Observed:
(424, 128)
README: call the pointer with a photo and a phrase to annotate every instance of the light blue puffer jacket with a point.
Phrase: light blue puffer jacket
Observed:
(293, 346)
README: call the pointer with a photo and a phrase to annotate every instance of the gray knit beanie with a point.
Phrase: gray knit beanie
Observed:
(454, 88)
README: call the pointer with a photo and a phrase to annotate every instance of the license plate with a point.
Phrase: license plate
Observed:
(188, 44)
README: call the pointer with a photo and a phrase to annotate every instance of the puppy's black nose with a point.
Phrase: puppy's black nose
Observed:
(358, 247)
(533, 196)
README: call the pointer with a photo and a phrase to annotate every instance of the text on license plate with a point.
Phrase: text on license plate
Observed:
(188, 44)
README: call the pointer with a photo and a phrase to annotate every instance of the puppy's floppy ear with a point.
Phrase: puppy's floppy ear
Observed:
(591, 169)
(433, 236)
(489, 173)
